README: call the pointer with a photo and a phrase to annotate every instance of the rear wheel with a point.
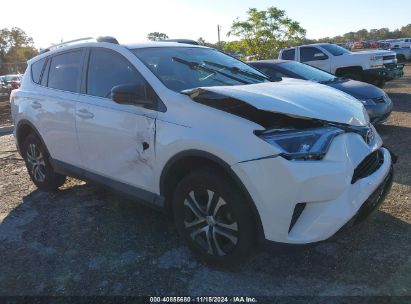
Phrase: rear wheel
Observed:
(38, 165)
(213, 218)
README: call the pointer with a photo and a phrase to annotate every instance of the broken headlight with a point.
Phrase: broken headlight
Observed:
(306, 144)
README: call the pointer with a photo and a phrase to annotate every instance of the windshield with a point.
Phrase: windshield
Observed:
(334, 49)
(307, 72)
(182, 68)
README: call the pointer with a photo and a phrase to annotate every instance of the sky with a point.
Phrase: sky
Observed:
(50, 21)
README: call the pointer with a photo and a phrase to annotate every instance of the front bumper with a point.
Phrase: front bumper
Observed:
(379, 113)
(277, 186)
(376, 198)
(386, 73)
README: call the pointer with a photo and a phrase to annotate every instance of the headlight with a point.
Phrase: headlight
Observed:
(367, 102)
(307, 144)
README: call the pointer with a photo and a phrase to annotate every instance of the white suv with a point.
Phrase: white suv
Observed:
(236, 159)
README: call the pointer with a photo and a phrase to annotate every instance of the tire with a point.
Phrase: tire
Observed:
(38, 165)
(213, 217)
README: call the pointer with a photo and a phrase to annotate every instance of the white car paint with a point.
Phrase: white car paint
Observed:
(305, 100)
(367, 60)
(105, 138)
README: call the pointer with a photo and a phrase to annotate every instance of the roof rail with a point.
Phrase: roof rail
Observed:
(108, 39)
(186, 41)
(98, 39)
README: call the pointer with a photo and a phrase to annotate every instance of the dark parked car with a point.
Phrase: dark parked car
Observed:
(9, 83)
(375, 100)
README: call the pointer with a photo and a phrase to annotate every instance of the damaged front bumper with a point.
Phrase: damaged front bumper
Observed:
(326, 188)
(385, 73)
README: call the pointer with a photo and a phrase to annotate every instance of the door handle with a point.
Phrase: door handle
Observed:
(84, 113)
(35, 105)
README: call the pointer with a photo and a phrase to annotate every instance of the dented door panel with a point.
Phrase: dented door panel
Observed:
(117, 141)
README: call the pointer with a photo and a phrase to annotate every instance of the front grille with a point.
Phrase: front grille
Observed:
(380, 99)
(298, 209)
(368, 166)
(390, 66)
(389, 57)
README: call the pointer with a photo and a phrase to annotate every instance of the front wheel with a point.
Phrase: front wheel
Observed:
(213, 217)
(38, 165)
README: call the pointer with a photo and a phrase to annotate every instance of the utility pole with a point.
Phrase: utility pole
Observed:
(218, 31)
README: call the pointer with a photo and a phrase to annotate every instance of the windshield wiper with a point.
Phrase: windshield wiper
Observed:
(238, 70)
(195, 66)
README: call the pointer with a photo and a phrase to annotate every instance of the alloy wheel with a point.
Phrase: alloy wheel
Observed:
(209, 222)
(36, 163)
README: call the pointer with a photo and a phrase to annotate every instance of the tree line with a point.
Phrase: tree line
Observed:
(263, 33)
(366, 35)
(16, 47)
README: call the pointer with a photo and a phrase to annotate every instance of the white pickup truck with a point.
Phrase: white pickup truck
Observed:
(375, 67)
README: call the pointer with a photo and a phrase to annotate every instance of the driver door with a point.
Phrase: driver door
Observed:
(116, 140)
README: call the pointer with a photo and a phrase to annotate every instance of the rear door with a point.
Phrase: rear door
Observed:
(54, 104)
(116, 140)
(315, 57)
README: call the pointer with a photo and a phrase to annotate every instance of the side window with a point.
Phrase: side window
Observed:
(65, 71)
(108, 69)
(311, 54)
(288, 54)
(36, 69)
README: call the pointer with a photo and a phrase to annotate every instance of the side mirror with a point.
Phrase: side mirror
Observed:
(131, 94)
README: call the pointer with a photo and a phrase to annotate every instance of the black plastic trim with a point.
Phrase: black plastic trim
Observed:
(298, 210)
(145, 197)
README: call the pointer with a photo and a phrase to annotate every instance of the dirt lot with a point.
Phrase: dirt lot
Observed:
(84, 240)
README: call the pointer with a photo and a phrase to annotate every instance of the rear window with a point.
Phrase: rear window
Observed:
(36, 69)
(65, 71)
(288, 54)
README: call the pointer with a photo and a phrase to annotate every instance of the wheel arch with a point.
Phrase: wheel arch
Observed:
(23, 129)
(342, 70)
(185, 162)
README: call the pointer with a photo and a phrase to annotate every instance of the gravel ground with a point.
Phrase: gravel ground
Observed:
(85, 240)
(5, 115)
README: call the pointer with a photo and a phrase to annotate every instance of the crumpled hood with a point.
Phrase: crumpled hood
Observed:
(299, 98)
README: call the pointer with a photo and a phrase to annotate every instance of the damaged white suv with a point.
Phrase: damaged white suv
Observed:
(236, 159)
